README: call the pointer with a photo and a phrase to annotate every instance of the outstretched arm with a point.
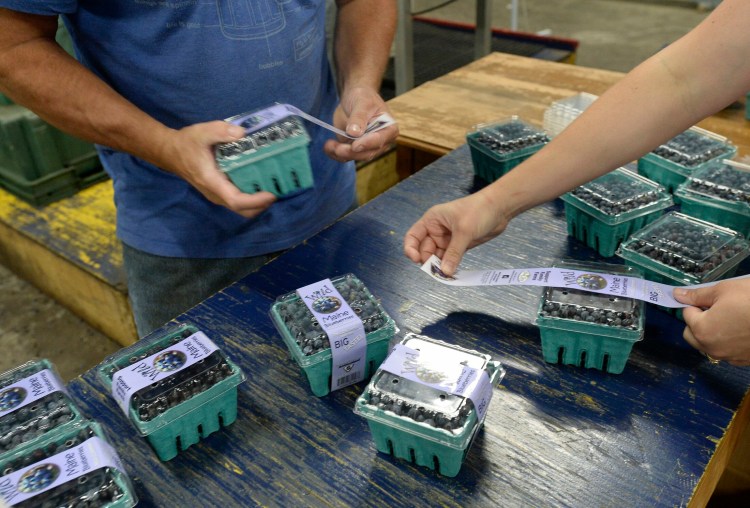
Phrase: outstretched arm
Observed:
(692, 78)
(37, 73)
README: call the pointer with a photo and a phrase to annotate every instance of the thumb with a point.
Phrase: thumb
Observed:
(222, 132)
(700, 297)
(454, 253)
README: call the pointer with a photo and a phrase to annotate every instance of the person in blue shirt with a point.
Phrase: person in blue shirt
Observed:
(150, 85)
(696, 76)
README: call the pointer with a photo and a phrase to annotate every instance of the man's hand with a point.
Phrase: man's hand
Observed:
(189, 154)
(358, 107)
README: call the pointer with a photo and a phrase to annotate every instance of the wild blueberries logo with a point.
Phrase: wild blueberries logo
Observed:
(12, 398)
(251, 121)
(591, 281)
(430, 372)
(169, 361)
(326, 304)
(524, 276)
(437, 272)
(38, 478)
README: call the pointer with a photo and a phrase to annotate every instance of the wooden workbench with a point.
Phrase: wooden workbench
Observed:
(658, 434)
(435, 117)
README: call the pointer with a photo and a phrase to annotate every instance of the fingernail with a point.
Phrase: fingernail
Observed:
(354, 128)
(680, 292)
(236, 130)
(357, 148)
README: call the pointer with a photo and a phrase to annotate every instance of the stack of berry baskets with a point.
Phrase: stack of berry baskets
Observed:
(679, 250)
(176, 387)
(588, 329)
(33, 404)
(604, 212)
(309, 345)
(273, 155)
(414, 410)
(672, 162)
(74, 468)
(498, 147)
(718, 193)
(561, 113)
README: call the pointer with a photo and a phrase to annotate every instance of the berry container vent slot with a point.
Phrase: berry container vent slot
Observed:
(74, 468)
(193, 392)
(273, 158)
(498, 147)
(720, 194)
(33, 404)
(672, 162)
(587, 329)
(604, 212)
(308, 344)
(418, 422)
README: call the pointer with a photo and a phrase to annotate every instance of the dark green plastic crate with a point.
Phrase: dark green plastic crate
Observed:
(605, 341)
(672, 162)
(720, 194)
(499, 147)
(317, 365)
(421, 442)
(604, 212)
(184, 424)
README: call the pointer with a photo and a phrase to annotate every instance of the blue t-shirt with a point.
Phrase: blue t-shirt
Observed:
(188, 61)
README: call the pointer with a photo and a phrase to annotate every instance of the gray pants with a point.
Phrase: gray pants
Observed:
(161, 288)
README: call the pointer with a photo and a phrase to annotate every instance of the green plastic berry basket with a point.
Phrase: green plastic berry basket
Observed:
(498, 147)
(604, 212)
(671, 163)
(587, 329)
(316, 363)
(275, 159)
(22, 426)
(67, 494)
(679, 250)
(439, 442)
(720, 194)
(198, 411)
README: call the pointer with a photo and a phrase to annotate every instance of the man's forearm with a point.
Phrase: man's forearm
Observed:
(36, 73)
(362, 44)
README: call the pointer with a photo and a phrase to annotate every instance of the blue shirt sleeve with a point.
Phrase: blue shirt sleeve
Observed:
(42, 7)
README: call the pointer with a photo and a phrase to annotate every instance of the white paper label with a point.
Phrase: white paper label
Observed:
(443, 373)
(345, 331)
(158, 366)
(595, 282)
(92, 454)
(28, 390)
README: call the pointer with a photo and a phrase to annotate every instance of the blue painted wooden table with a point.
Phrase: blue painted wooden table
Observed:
(554, 435)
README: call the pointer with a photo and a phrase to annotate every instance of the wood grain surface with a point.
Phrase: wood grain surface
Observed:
(554, 435)
(436, 116)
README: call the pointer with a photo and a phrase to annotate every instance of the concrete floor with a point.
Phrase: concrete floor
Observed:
(613, 34)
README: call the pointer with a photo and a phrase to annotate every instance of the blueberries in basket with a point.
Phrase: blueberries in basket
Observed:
(419, 414)
(306, 330)
(723, 182)
(510, 137)
(691, 148)
(616, 196)
(266, 136)
(689, 248)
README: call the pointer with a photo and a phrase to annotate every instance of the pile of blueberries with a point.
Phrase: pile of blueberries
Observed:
(723, 182)
(603, 315)
(92, 490)
(306, 330)
(616, 195)
(287, 128)
(690, 149)
(416, 412)
(510, 137)
(33, 420)
(690, 248)
(155, 399)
